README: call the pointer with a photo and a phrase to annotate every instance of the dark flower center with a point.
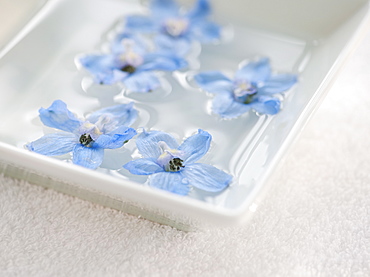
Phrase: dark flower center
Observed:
(86, 140)
(128, 68)
(175, 165)
(245, 93)
(249, 98)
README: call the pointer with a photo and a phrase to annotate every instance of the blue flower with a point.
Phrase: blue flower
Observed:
(130, 63)
(173, 167)
(253, 87)
(86, 139)
(175, 29)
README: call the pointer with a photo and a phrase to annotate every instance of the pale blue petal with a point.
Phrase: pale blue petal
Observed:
(278, 83)
(142, 82)
(98, 63)
(104, 68)
(201, 10)
(213, 81)
(143, 167)
(115, 139)
(255, 72)
(59, 117)
(206, 31)
(160, 61)
(117, 76)
(170, 181)
(121, 115)
(162, 9)
(124, 131)
(225, 105)
(196, 146)
(109, 77)
(206, 177)
(53, 144)
(266, 105)
(139, 23)
(147, 143)
(178, 46)
(89, 157)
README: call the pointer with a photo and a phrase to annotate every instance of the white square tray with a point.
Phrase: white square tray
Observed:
(310, 38)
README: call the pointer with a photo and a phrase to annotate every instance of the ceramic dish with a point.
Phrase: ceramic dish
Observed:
(311, 39)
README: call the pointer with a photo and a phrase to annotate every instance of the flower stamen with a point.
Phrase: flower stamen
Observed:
(170, 158)
(86, 140)
(128, 68)
(174, 165)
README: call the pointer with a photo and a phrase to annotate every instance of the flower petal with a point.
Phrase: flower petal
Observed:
(225, 105)
(89, 157)
(213, 81)
(206, 31)
(59, 117)
(98, 63)
(196, 146)
(119, 115)
(170, 181)
(53, 144)
(147, 143)
(266, 105)
(278, 83)
(139, 23)
(142, 82)
(162, 9)
(201, 9)
(179, 46)
(104, 68)
(144, 166)
(206, 177)
(115, 139)
(255, 72)
(160, 61)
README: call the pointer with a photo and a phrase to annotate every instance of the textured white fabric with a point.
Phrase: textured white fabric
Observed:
(314, 221)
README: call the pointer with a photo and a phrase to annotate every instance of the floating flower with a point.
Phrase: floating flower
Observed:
(253, 87)
(175, 29)
(86, 139)
(173, 167)
(132, 64)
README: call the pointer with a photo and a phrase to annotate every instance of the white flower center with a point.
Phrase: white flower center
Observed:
(176, 26)
(244, 88)
(106, 123)
(130, 57)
